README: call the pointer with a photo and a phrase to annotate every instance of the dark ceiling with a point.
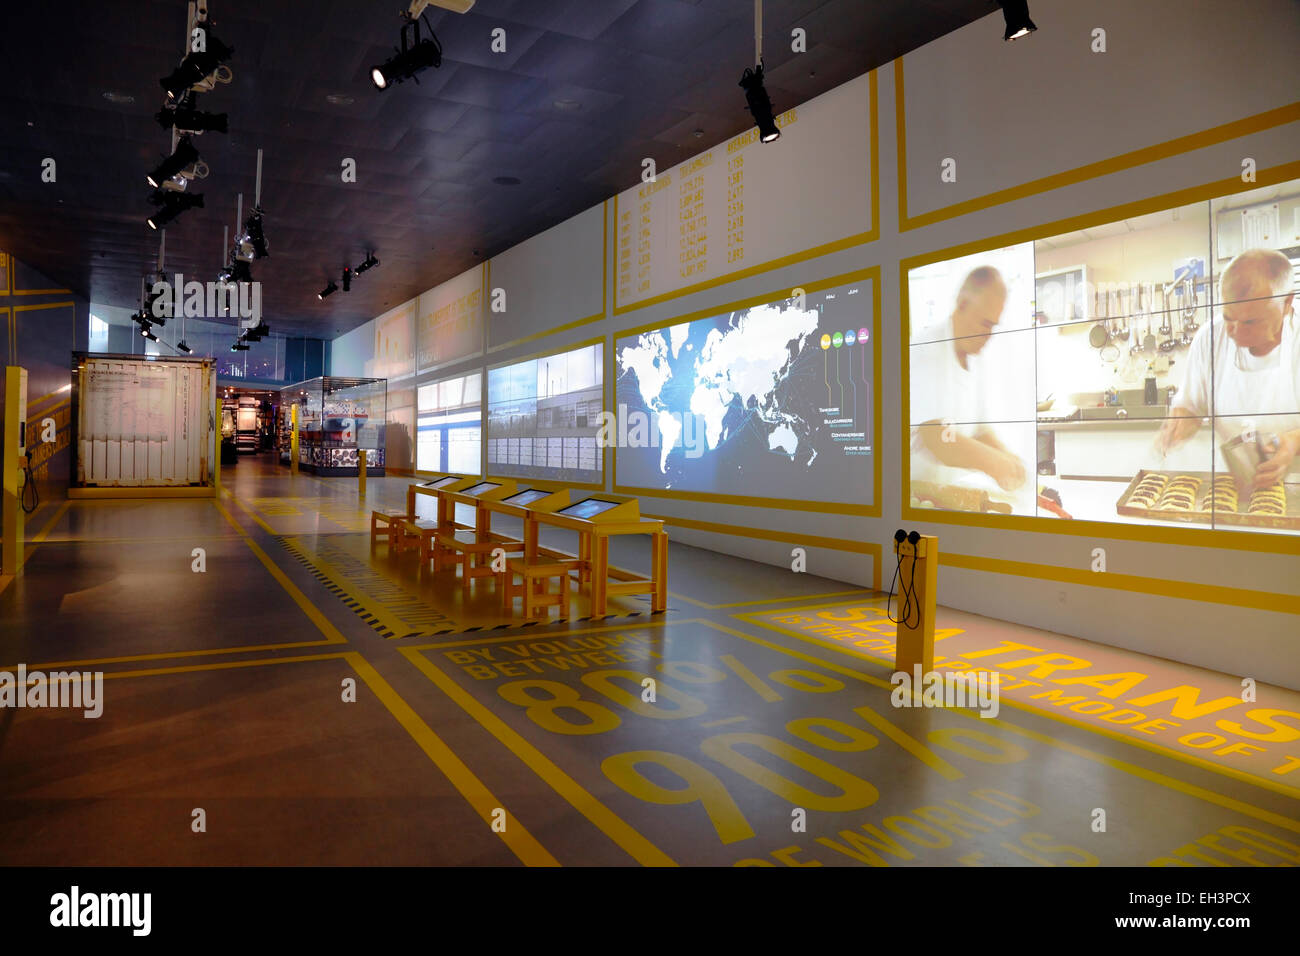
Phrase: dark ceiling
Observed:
(585, 90)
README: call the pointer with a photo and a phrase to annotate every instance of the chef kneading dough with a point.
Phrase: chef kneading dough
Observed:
(1250, 358)
(950, 384)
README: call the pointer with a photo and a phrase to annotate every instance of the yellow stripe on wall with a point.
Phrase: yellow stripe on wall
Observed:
(1155, 587)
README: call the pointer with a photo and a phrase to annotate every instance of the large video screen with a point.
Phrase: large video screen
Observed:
(1144, 371)
(544, 414)
(770, 401)
(449, 425)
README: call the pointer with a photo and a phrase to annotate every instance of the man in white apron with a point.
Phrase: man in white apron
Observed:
(1244, 368)
(951, 383)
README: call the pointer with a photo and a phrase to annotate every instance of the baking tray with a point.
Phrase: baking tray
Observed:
(1288, 522)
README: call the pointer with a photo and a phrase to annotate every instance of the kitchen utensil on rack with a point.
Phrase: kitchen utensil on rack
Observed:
(1149, 341)
(1166, 325)
(1099, 336)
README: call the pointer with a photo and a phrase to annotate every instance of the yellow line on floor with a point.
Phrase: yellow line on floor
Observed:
(224, 665)
(532, 636)
(865, 593)
(198, 536)
(631, 840)
(522, 843)
(252, 514)
(332, 634)
(49, 525)
(1017, 705)
(176, 655)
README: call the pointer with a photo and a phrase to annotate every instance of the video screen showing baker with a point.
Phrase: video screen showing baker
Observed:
(1168, 367)
(971, 374)
(1243, 374)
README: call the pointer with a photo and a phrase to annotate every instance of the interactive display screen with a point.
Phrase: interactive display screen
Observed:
(771, 401)
(543, 416)
(588, 507)
(449, 425)
(439, 482)
(1143, 371)
(481, 487)
(527, 497)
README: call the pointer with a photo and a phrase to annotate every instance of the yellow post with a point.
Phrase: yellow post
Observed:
(15, 442)
(919, 572)
(361, 473)
(293, 439)
(216, 456)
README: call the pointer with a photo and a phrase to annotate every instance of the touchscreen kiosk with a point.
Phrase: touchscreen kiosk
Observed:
(527, 497)
(481, 487)
(588, 508)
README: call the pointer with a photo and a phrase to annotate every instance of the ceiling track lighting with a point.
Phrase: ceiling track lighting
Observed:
(171, 205)
(369, 263)
(760, 104)
(1016, 14)
(239, 346)
(328, 291)
(414, 56)
(184, 156)
(347, 279)
(182, 347)
(251, 244)
(189, 120)
(197, 66)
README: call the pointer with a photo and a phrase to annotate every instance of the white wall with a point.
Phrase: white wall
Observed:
(1031, 112)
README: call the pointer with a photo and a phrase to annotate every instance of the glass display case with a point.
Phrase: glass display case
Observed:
(338, 419)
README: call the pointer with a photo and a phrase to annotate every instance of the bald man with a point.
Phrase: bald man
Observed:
(1249, 362)
(949, 385)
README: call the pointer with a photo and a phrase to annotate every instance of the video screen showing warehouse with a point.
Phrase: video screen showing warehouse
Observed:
(543, 417)
(449, 427)
(1144, 371)
(769, 401)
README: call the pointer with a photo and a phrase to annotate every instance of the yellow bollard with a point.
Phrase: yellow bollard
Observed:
(915, 642)
(361, 473)
(293, 439)
(14, 457)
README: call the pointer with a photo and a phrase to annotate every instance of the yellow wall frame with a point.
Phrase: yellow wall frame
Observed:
(848, 242)
(872, 275)
(1138, 157)
(1197, 537)
(604, 458)
(576, 323)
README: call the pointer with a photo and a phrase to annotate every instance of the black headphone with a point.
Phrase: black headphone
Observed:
(908, 591)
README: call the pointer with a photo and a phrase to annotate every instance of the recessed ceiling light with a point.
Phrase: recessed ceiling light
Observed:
(340, 99)
(114, 96)
(568, 106)
(506, 180)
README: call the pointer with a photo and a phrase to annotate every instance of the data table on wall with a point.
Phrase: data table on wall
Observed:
(743, 204)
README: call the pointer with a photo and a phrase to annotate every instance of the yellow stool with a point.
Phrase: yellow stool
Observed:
(534, 587)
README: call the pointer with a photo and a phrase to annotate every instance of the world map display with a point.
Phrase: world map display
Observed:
(772, 401)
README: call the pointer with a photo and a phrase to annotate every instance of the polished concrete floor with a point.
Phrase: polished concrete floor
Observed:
(302, 699)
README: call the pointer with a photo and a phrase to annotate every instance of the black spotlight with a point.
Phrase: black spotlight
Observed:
(760, 105)
(257, 332)
(182, 347)
(239, 346)
(172, 205)
(196, 67)
(1016, 13)
(184, 156)
(370, 263)
(410, 60)
(329, 290)
(347, 279)
(237, 271)
(191, 120)
(252, 244)
(144, 331)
